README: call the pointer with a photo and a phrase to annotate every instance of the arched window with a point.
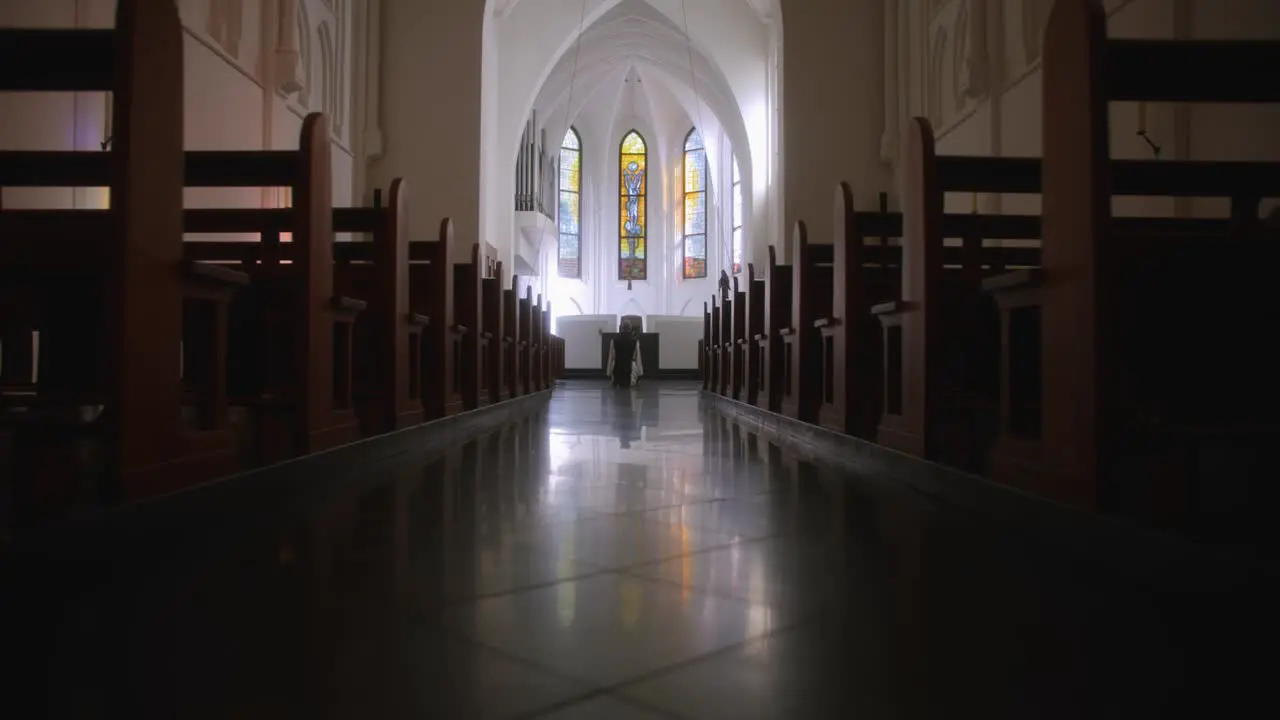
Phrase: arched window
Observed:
(695, 206)
(569, 264)
(632, 181)
(736, 220)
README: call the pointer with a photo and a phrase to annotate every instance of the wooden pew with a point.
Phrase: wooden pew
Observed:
(293, 369)
(511, 354)
(558, 366)
(546, 346)
(527, 343)
(725, 372)
(704, 349)
(754, 324)
(431, 280)
(466, 331)
(106, 288)
(776, 367)
(388, 366)
(717, 365)
(738, 343)
(1138, 415)
(535, 343)
(810, 301)
(864, 273)
(494, 350)
(941, 336)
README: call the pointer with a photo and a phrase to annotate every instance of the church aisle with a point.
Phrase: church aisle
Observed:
(633, 555)
(621, 554)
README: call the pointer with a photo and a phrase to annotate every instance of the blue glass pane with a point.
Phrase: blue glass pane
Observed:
(568, 247)
(695, 170)
(696, 246)
(695, 214)
(569, 212)
(570, 170)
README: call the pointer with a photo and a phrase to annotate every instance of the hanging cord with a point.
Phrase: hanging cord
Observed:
(702, 133)
(573, 80)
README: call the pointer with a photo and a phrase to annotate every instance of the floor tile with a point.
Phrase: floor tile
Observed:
(606, 629)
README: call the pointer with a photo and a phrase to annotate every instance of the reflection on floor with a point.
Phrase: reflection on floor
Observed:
(626, 554)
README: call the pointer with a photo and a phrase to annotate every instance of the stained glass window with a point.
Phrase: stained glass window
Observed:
(570, 257)
(695, 206)
(735, 249)
(632, 182)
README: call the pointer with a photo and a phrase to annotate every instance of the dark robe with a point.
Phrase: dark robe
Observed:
(625, 348)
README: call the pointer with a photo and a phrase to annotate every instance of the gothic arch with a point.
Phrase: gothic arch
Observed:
(632, 303)
(328, 76)
(303, 20)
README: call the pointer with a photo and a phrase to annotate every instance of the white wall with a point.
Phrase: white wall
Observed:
(732, 43)
(678, 340)
(609, 114)
(1001, 112)
(833, 71)
(581, 336)
(235, 64)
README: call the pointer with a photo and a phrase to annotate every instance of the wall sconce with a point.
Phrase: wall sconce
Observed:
(1142, 129)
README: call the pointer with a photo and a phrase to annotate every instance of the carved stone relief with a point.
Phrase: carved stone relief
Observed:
(956, 76)
(292, 33)
(311, 52)
(328, 74)
(1035, 15)
(224, 24)
(970, 52)
(933, 78)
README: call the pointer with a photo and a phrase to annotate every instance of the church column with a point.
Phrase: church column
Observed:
(431, 119)
(834, 101)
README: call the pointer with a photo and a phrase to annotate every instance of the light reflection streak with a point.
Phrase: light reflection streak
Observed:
(567, 592)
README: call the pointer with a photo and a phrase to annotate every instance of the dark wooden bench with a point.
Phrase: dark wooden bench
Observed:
(292, 367)
(100, 419)
(431, 280)
(810, 301)
(537, 340)
(544, 328)
(511, 338)
(493, 353)
(941, 334)
(717, 351)
(526, 342)
(865, 271)
(776, 363)
(466, 330)
(737, 342)
(1159, 385)
(385, 365)
(704, 349)
(724, 374)
(754, 360)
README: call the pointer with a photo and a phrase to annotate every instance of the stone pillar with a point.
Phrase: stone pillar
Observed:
(430, 94)
(834, 106)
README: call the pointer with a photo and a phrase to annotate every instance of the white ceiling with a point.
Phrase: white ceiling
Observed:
(766, 9)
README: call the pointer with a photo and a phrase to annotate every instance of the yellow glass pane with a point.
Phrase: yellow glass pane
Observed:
(631, 216)
(633, 144)
(632, 178)
(695, 170)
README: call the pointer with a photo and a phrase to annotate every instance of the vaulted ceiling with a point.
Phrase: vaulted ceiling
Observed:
(634, 34)
(766, 9)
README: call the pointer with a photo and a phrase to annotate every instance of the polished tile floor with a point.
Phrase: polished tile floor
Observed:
(623, 555)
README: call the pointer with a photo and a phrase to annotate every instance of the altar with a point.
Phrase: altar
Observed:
(648, 351)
